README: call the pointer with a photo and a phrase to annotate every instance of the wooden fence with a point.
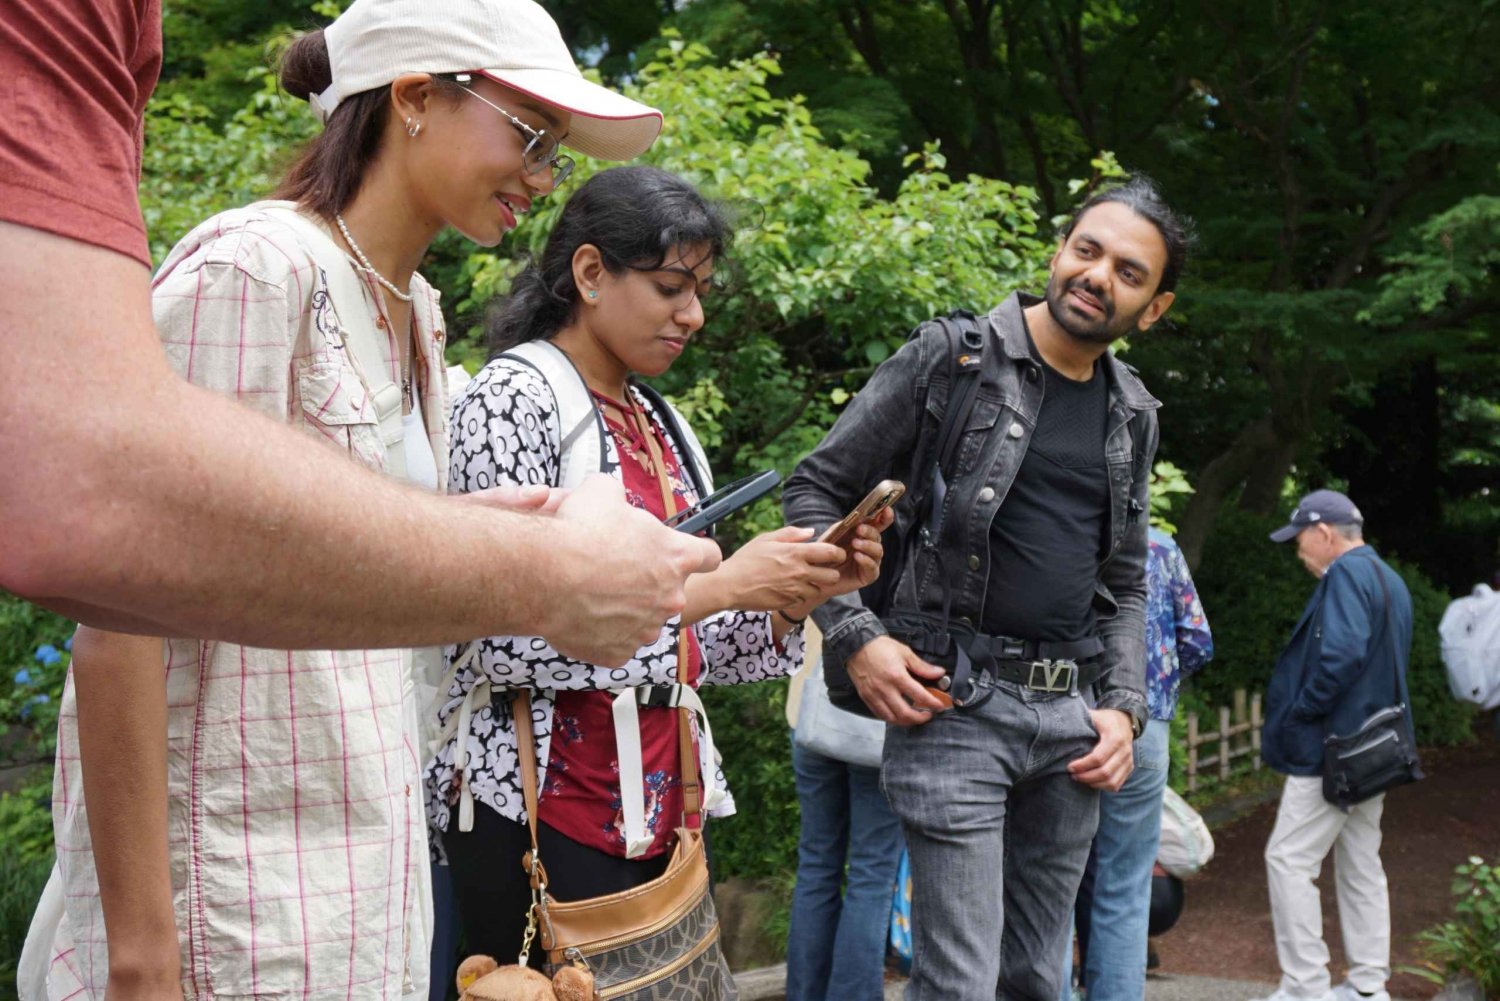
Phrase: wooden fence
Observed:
(1238, 736)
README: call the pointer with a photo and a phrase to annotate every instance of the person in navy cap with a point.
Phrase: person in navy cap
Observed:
(1346, 656)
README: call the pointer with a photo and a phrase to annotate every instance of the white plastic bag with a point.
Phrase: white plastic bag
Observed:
(1186, 845)
(1470, 634)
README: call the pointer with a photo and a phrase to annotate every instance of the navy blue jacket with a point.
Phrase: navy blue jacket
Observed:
(1341, 664)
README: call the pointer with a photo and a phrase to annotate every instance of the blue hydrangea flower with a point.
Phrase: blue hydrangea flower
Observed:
(23, 677)
(68, 644)
(47, 654)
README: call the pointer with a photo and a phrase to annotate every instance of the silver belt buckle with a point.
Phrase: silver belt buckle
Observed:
(1056, 675)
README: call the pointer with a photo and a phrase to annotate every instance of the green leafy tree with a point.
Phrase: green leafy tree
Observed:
(1322, 147)
(827, 277)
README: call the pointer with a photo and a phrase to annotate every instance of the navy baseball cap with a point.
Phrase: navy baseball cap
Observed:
(1317, 508)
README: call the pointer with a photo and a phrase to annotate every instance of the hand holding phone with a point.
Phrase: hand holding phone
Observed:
(886, 493)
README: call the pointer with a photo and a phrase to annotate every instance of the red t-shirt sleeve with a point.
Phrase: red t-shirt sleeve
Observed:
(78, 74)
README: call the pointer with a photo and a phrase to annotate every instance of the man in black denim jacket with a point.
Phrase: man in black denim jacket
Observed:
(1044, 559)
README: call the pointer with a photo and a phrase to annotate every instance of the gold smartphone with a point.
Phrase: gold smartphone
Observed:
(886, 493)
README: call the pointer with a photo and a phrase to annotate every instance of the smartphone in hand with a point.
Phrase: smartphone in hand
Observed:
(886, 493)
(723, 502)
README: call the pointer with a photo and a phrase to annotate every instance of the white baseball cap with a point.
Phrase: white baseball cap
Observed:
(514, 42)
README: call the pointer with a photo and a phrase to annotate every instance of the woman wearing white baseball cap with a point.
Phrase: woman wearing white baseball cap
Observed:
(260, 831)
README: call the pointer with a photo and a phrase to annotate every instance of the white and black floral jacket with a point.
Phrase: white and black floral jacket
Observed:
(505, 429)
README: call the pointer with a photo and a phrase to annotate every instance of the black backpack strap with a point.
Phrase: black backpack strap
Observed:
(965, 337)
(927, 485)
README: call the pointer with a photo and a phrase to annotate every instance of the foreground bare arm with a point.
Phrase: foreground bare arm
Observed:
(265, 540)
(121, 691)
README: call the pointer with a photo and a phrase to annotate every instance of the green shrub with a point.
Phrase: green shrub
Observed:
(34, 658)
(23, 628)
(26, 819)
(750, 730)
(25, 861)
(1253, 592)
(21, 883)
(1470, 943)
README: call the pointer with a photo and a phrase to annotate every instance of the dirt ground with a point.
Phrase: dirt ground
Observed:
(1429, 827)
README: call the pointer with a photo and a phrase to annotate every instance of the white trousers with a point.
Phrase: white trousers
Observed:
(1307, 826)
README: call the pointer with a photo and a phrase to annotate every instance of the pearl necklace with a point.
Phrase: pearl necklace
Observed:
(365, 262)
(406, 393)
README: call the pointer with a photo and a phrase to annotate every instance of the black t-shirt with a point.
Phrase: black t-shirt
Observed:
(1047, 538)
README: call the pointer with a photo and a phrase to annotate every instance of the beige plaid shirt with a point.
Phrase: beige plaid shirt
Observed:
(296, 824)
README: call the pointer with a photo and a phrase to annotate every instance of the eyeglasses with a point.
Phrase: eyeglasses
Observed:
(541, 149)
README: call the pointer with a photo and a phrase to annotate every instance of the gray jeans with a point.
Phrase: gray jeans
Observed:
(998, 833)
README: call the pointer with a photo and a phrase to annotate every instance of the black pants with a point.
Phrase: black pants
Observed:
(493, 890)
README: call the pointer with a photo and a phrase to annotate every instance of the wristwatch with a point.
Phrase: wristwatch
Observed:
(1137, 722)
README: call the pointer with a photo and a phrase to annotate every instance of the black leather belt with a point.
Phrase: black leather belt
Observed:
(1040, 665)
(1043, 675)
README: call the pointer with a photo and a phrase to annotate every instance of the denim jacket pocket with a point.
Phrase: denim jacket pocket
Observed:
(978, 430)
(337, 407)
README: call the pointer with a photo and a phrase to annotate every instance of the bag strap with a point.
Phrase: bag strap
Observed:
(683, 437)
(579, 455)
(697, 795)
(1390, 633)
(520, 713)
(582, 453)
(627, 725)
(965, 337)
(361, 339)
(692, 801)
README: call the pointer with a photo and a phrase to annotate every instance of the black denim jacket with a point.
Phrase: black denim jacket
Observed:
(878, 435)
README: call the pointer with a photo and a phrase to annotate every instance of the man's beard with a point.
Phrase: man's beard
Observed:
(1105, 329)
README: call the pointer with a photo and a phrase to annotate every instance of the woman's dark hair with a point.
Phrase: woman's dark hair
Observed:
(327, 174)
(1141, 196)
(635, 216)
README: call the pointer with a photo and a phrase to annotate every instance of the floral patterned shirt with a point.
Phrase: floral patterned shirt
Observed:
(1178, 641)
(506, 430)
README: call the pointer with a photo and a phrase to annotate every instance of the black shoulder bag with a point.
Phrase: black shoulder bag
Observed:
(1380, 754)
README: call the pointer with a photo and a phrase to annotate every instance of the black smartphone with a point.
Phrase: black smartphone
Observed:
(723, 502)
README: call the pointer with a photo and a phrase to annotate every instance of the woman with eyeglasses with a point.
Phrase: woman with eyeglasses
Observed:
(254, 826)
(619, 292)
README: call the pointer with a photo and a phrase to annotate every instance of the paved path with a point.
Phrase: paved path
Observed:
(769, 984)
